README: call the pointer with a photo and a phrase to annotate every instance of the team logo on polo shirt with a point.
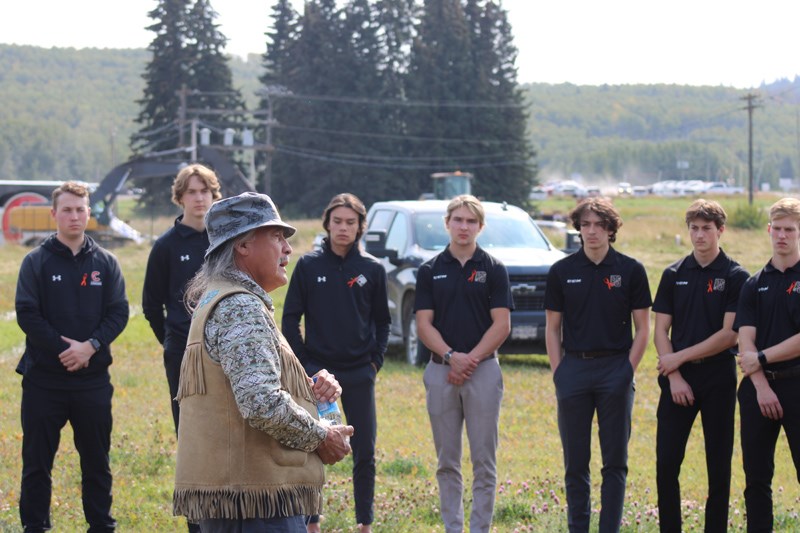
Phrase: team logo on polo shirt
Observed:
(717, 284)
(477, 276)
(613, 281)
(360, 280)
(794, 287)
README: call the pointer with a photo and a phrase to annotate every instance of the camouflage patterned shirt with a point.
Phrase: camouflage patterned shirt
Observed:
(246, 343)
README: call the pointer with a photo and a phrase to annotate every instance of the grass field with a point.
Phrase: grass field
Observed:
(531, 493)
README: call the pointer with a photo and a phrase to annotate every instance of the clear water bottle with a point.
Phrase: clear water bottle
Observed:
(329, 411)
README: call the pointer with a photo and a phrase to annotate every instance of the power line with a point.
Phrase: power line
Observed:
(298, 153)
(394, 158)
(476, 104)
(392, 135)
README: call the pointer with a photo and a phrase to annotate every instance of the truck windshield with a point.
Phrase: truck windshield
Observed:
(501, 231)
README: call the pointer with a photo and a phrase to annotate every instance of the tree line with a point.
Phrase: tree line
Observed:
(370, 97)
(70, 113)
(646, 133)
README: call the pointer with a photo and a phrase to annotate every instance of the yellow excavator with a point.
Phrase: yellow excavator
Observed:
(26, 205)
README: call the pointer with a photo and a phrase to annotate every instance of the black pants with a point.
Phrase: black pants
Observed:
(583, 387)
(714, 387)
(759, 436)
(358, 401)
(291, 524)
(172, 366)
(44, 413)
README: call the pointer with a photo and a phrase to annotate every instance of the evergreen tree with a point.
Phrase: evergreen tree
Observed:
(188, 70)
(440, 72)
(345, 72)
(396, 22)
(511, 174)
(332, 140)
(311, 66)
(167, 72)
(210, 75)
(463, 58)
(276, 62)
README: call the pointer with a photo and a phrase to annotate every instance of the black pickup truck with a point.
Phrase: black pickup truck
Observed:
(404, 234)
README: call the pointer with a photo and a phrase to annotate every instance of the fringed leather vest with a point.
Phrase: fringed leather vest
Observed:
(226, 468)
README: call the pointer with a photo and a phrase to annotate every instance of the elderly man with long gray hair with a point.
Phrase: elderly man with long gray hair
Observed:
(250, 445)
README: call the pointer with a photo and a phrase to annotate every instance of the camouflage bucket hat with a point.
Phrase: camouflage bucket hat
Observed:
(231, 217)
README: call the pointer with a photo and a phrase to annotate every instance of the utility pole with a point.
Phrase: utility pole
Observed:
(751, 104)
(268, 148)
(182, 93)
(797, 137)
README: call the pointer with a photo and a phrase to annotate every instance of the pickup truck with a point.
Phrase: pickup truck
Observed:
(404, 234)
(718, 187)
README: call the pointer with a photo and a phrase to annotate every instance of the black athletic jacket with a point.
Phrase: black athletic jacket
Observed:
(345, 307)
(175, 258)
(79, 297)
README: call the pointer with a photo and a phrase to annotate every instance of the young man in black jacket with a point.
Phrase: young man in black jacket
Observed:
(341, 292)
(71, 304)
(175, 258)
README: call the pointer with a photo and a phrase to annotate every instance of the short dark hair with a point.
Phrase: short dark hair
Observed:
(603, 208)
(71, 187)
(708, 210)
(352, 201)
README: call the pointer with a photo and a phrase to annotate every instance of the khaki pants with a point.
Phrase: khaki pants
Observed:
(476, 403)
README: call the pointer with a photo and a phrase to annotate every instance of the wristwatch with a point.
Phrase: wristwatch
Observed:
(447, 355)
(95, 344)
(762, 358)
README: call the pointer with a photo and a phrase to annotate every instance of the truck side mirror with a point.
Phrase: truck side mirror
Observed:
(573, 241)
(375, 244)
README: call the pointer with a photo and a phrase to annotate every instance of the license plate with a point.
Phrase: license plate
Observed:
(524, 332)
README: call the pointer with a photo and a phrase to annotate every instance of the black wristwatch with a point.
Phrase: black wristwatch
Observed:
(95, 344)
(447, 355)
(762, 358)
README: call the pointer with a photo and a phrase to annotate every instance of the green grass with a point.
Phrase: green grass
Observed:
(531, 494)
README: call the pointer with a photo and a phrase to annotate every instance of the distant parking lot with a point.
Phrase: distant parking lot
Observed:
(578, 190)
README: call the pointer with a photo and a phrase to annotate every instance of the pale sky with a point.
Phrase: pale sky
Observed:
(585, 42)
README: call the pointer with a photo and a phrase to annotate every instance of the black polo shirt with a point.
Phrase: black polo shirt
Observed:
(462, 297)
(596, 301)
(698, 297)
(770, 301)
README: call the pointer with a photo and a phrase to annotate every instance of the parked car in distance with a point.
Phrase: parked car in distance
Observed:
(719, 187)
(537, 194)
(624, 188)
(569, 188)
(404, 234)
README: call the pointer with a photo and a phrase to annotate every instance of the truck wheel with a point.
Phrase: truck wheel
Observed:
(412, 342)
(413, 347)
